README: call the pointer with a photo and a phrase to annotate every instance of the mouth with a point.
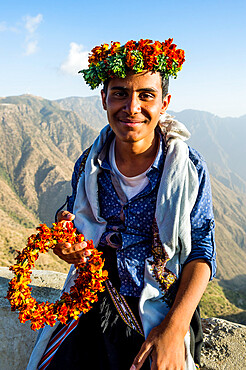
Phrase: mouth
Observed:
(131, 123)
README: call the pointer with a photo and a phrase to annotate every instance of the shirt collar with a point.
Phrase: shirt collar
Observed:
(104, 163)
(158, 159)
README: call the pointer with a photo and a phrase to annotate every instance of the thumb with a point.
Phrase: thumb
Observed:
(65, 216)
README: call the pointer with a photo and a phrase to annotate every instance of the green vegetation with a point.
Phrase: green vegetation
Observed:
(21, 220)
(5, 176)
(223, 303)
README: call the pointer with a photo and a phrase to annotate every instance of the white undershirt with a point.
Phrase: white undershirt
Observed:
(130, 185)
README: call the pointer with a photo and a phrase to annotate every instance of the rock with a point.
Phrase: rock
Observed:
(224, 345)
(224, 341)
(17, 340)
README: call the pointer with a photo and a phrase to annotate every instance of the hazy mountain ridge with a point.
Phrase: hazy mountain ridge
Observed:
(230, 217)
(66, 129)
(89, 107)
(40, 141)
(221, 141)
(39, 144)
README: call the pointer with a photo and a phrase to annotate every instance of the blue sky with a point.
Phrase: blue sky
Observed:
(44, 43)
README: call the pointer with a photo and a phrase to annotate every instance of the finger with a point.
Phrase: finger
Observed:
(144, 352)
(76, 253)
(77, 248)
(59, 248)
(65, 216)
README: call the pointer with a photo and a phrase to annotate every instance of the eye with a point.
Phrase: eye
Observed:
(147, 96)
(119, 94)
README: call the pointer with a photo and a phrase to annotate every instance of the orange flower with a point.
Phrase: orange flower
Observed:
(98, 53)
(157, 47)
(130, 45)
(114, 47)
(130, 60)
(143, 43)
(167, 43)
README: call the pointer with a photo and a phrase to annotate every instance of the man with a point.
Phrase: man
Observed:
(144, 198)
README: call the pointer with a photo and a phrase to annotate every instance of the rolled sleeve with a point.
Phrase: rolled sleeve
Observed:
(203, 246)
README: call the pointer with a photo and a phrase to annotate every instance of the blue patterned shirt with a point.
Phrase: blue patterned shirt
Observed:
(129, 224)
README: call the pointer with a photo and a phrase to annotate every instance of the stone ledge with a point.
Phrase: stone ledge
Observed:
(224, 341)
(224, 345)
(17, 340)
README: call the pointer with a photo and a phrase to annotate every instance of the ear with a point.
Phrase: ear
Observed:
(103, 96)
(165, 103)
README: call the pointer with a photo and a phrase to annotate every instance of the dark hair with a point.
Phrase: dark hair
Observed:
(164, 85)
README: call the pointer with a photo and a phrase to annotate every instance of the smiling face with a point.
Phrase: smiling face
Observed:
(134, 105)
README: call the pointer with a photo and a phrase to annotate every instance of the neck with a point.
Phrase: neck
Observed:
(132, 159)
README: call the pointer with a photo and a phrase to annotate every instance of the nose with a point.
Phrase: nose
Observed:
(133, 105)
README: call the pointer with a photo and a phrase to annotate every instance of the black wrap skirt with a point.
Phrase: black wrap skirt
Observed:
(101, 340)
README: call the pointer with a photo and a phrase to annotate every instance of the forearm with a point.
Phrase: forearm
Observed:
(165, 342)
(193, 282)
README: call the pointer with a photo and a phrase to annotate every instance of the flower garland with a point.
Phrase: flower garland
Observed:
(89, 281)
(109, 62)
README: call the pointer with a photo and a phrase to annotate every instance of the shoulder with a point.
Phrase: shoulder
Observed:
(199, 162)
(196, 158)
(203, 205)
(81, 160)
(79, 166)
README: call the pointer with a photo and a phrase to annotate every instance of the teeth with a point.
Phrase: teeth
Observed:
(134, 122)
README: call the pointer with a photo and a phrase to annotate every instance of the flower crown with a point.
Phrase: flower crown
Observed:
(109, 62)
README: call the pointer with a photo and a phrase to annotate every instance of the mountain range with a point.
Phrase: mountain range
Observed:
(220, 140)
(41, 139)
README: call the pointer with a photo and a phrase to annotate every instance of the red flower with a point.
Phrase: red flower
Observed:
(130, 45)
(167, 43)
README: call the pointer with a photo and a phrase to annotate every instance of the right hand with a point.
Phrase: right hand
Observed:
(71, 253)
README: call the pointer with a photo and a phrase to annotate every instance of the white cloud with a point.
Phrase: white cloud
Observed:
(77, 59)
(31, 47)
(5, 27)
(32, 23)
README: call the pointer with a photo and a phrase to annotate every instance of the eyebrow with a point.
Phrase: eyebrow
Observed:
(145, 89)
